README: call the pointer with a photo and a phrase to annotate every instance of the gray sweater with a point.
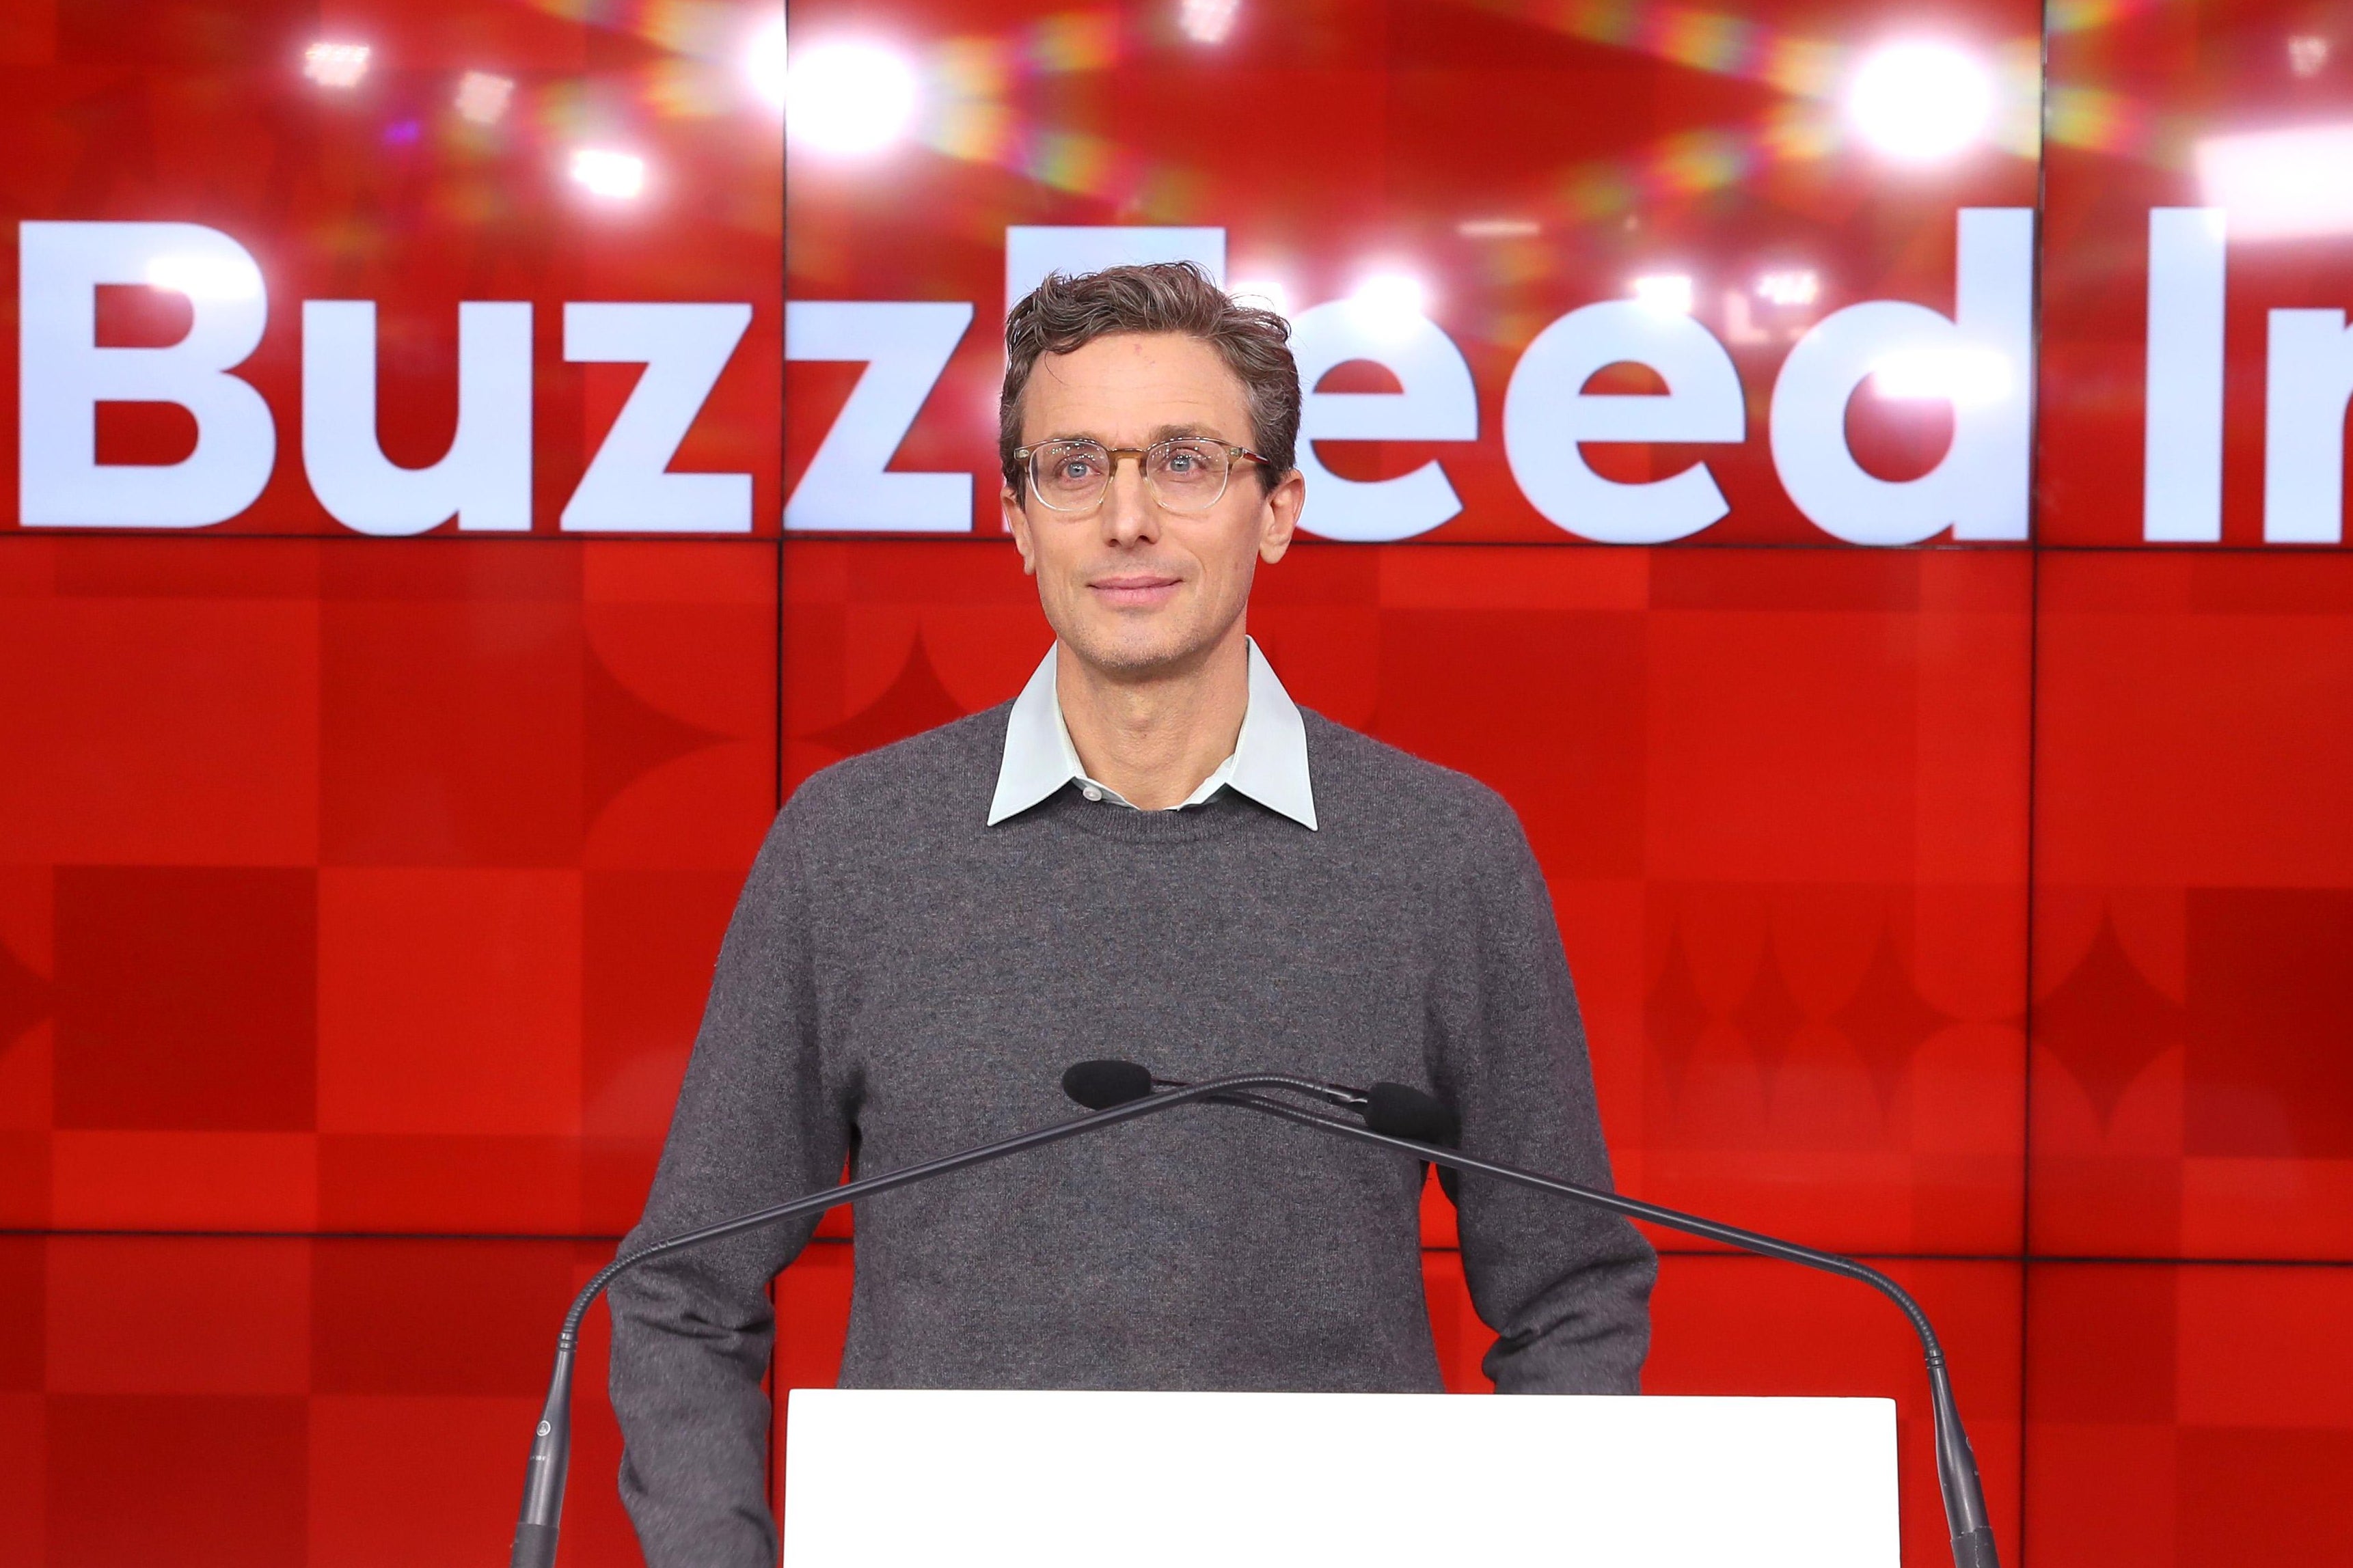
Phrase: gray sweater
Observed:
(901, 982)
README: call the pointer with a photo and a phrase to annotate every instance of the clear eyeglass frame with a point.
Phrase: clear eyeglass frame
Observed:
(1152, 461)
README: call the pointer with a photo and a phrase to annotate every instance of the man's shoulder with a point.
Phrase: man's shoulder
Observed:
(1358, 779)
(943, 774)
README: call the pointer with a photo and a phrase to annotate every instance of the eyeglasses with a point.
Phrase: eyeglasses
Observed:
(1184, 473)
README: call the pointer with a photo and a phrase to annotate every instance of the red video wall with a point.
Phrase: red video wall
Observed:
(1867, 487)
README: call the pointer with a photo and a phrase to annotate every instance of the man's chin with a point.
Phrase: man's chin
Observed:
(1135, 658)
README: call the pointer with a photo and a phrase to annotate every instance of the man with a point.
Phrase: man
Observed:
(1151, 854)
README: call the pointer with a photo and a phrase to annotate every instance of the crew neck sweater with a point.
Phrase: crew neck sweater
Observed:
(901, 981)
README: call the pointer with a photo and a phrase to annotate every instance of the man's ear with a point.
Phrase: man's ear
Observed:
(1282, 515)
(1017, 523)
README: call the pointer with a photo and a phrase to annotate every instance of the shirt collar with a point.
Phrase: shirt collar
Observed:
(1269, 763)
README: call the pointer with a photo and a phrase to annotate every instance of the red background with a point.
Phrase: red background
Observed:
(1985, 910)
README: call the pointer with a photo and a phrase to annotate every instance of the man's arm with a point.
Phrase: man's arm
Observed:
(756, 1124)
(1565, 1288)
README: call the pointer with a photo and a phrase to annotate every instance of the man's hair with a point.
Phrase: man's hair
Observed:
(1065, 313)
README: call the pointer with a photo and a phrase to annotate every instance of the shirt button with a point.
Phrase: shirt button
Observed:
(1092, 792)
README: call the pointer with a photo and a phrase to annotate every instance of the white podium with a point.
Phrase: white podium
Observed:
(908, 1479)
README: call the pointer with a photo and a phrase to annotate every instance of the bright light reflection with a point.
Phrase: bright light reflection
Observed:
(1961, 376)
(1206, 21)
(617, 177)
(764, 62)
(1266, 293)
(205, 277)
(2308, 54)
(1499, 229)
(1795, 286)
(335, 65)
(849, 98)
(1921, 102)
(1669, 292)
(1390, 300)
(2281, 184)
(483, 97)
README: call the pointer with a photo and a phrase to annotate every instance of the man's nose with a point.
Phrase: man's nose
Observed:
(1130, 516)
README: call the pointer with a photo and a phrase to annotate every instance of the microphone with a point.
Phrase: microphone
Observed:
(1402, 1111)
(1099, 1086)
(1398, 1109)
(1128, 1092)
(1402, 1106)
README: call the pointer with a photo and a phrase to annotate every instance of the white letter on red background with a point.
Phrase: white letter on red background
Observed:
(483, 479)
(628, 487)
(1980, 488)
(1547, 413)
(2181, 459)
(2305, 386)
(62, 375)
(847, 483)
(1438, 402)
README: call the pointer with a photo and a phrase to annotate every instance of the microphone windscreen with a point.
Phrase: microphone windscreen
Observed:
(1400, 1111)
(1101, 1085)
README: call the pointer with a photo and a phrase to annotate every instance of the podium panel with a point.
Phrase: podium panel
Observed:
(912, 1479)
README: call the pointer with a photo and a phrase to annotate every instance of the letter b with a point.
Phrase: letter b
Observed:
(63, 375)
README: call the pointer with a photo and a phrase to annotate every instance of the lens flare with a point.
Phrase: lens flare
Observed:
(339, 66)
(849, 98)
(1921, 102)
(615, 176)
(1208, 21)
(1667, 292)
(483, 97)
(1793, 286)
(764, 62)
(205, 277)
(2281, 184)
(1266, 293)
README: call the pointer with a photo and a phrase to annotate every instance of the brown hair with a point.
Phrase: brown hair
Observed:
(1064, 313)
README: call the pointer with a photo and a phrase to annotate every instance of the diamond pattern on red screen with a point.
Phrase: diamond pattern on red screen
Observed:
(451, 681)
(2192, 931)
(480, 728)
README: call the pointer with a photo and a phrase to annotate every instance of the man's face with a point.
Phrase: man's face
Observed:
(1128, 587)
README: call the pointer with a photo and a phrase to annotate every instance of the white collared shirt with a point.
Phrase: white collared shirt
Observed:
(1269, 763)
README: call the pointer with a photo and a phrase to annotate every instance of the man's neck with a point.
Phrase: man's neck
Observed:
(1154, 739)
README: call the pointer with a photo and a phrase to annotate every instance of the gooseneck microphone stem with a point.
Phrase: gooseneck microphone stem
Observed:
(1956, 1466)
(543, 1497)
(1134, 1096)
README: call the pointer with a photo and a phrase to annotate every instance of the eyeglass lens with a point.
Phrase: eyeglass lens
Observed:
(1183, 475)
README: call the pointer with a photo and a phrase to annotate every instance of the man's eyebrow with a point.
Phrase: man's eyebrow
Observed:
(1172, 432)
(1159, 433)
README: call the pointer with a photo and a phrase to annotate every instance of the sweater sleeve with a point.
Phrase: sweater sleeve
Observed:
(691, 1335)
(1567, 1288)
